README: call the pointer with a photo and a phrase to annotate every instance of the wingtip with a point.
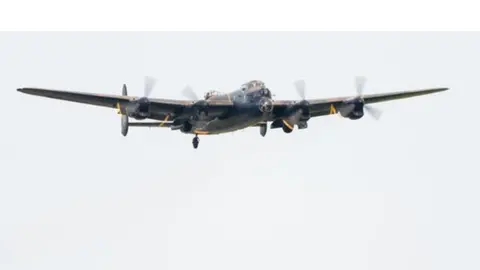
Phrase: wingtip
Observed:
(440, 89)
(443, 89)
(27, 90)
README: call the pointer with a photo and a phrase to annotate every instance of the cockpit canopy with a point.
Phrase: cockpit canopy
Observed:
(253, 85)
(212, 93)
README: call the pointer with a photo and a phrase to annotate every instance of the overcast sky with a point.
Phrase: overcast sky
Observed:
(398, 193)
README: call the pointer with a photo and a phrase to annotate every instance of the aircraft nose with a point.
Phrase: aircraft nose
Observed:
(266, 105)
(267, 92)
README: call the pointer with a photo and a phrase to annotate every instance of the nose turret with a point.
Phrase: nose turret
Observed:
(266, 105)
(266, 92)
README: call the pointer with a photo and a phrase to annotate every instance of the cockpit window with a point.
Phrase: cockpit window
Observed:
(211, 93)
(253, 85)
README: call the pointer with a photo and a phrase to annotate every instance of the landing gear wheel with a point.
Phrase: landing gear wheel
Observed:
(263, 129)
(286, 129)
(195, 141)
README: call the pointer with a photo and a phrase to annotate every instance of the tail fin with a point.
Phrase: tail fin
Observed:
(124, 90)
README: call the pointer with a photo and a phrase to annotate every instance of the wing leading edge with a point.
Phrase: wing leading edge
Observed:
(79, 97)
(94, 99)
(319, 107)
(374, 98)
(162, 107)
(159, 106)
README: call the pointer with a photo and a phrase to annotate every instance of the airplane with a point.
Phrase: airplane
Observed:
(220, 112)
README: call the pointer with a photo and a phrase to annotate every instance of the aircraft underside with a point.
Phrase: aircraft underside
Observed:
(220, 126)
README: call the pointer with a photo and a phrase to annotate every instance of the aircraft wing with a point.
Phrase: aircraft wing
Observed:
(319, 107)
(159, 107)
(95, 99)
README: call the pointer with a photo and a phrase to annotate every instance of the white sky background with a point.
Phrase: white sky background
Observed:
(399, 193)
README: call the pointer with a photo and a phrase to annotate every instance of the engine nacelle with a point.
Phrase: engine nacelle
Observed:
(200, 110)
(302, 125)
(186, 127)
(276, 124)
(287, 128)
(183, 126)
(352, 110)
(299, 112)
(138, 109)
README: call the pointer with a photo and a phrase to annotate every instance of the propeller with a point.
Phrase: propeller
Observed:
(375, 113)
(189, 93)
(149, 85)
(199, 105)
(300, 87)
(360, 85)
(139, 108)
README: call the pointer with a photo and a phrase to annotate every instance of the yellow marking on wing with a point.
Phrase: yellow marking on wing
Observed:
(201, 132)
(164, 120)
(333, 110)
(119, 111)
(287, 124)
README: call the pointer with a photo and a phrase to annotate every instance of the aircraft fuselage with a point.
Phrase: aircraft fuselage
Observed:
(240, 119)
(251, 106)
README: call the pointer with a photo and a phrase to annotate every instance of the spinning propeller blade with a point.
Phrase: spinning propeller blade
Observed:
(375, 113)
(300, 87)
(149, 84)
(189, 93)
(360, 85)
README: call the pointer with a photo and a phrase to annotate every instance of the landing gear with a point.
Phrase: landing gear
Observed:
(287, 129)
(195, 141)
(302, 125)
(263, 129)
